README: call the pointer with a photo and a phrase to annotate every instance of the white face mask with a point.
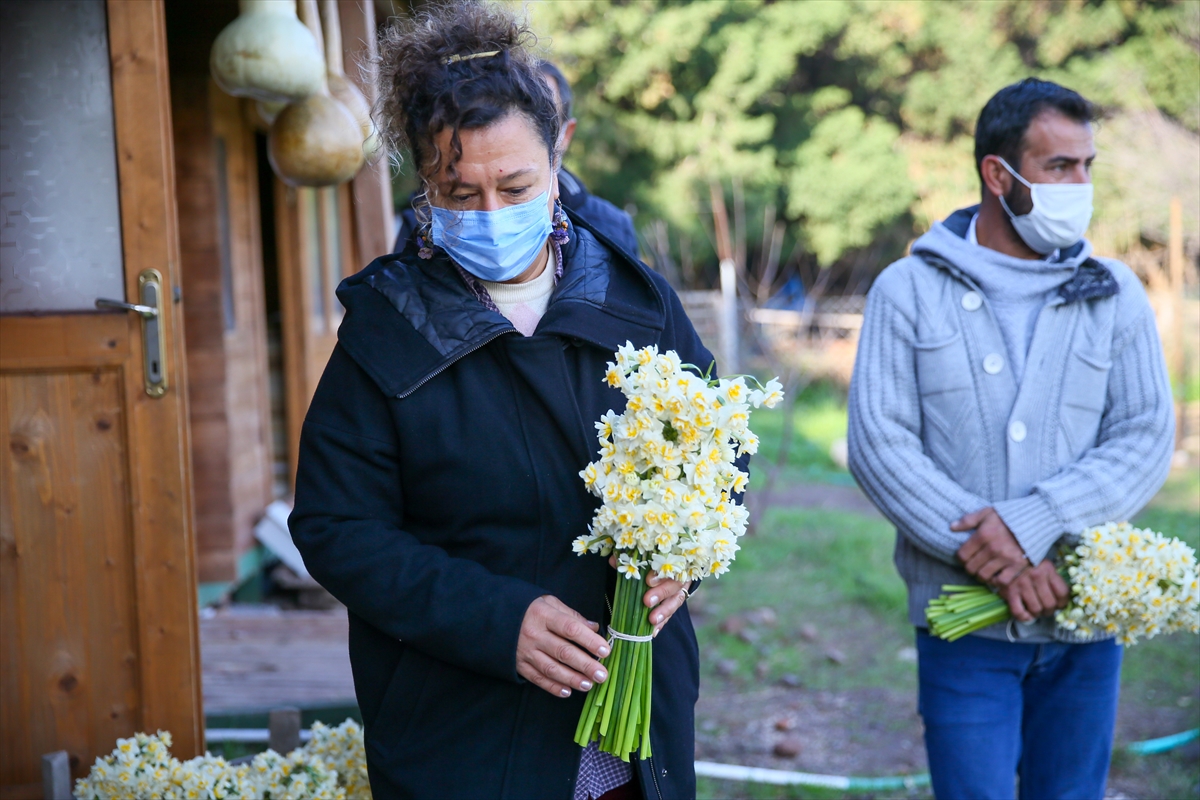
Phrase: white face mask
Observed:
(1060, 215)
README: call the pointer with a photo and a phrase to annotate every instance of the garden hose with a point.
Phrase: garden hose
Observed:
(778, 777)
(1163, 744)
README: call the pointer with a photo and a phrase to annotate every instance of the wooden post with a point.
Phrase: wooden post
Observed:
(373, 222)
(1177, 358)
(729, 317)
(284, 726)
(56, 776)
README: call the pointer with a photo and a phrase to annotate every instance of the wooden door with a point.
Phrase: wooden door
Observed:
(97, 580)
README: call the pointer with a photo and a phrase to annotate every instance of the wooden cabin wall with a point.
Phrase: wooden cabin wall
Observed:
(372, 187)
(321, 236)
(224, 311)
(246, 387)
(316, 249)
(324, 235)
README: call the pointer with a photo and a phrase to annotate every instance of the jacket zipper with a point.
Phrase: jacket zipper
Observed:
(654, 777)
(451, 362)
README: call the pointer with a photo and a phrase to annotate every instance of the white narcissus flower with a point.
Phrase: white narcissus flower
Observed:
(666, 472)
(1132, 583)
(627, 566)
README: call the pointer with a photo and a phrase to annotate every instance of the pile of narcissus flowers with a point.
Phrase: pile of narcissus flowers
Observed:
(1131, 582)
(341, 748)
(666, 471)
(332, 766)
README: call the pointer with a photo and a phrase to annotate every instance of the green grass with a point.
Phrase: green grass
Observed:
(1187, 390)
(1166, 669)
(1161, 677)
(827, 569)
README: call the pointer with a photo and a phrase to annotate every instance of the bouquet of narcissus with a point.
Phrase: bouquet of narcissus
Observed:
(1125, 581)
(667, 477)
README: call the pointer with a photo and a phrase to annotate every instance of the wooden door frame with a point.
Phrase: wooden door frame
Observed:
(157, 444)
(160, 445)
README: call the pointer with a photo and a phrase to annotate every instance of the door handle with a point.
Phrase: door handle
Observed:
(148, 312)
(154, 356)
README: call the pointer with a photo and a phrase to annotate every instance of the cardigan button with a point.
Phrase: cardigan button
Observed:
(1017, 431)
(971, 301)
(993, 363)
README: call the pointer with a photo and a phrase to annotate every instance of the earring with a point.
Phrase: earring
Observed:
(559, 225)
(425, 242)
(424, 217)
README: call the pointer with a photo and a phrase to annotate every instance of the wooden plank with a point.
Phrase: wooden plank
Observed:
(315, 251)
(247, 370)
(159, 448)
(64, 341)
(284, 658)
(105, 560)
(69, 670)
(374, 225)
(206, 316)
(295, 313)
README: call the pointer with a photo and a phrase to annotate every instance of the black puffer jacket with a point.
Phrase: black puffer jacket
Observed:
(437, 497)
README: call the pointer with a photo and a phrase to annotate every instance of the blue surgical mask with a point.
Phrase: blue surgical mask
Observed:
(494, 245)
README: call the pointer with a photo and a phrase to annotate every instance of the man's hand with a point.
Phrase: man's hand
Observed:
(1036, 592)
(558, 649)
(992, 554)
(664, 597)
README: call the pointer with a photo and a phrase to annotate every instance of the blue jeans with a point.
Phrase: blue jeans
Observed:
(996, 710)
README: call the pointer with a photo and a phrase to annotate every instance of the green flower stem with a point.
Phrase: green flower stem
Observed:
(962, 610)
(616, 713)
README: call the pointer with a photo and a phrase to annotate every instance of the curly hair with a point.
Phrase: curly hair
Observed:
(423, 89)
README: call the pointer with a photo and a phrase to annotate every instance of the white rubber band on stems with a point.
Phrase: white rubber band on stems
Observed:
(614, 634)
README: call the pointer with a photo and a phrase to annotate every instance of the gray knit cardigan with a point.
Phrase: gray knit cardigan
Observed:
(937, 432)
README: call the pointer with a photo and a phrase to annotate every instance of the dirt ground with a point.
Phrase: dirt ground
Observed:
(863, 732)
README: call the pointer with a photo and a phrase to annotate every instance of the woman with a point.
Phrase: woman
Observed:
(438, 492)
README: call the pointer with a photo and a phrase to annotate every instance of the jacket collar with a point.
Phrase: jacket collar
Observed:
(408, 319)
(1092, 280)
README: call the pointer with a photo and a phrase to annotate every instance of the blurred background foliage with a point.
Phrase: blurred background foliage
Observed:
(850, 121)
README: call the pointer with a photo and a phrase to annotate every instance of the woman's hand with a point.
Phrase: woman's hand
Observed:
(663, 598)
(556, 647)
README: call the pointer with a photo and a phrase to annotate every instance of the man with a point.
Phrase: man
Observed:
(1009, 392)
(610, 221)
(605, 219)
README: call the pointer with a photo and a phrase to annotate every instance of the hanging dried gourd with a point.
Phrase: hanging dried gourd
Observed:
(267, 112)
(316, 141)
(267, 54)
(342, 88)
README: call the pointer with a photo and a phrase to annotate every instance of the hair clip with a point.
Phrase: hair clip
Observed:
(456, 59)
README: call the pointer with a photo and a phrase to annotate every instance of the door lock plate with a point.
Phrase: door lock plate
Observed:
(150, 293)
